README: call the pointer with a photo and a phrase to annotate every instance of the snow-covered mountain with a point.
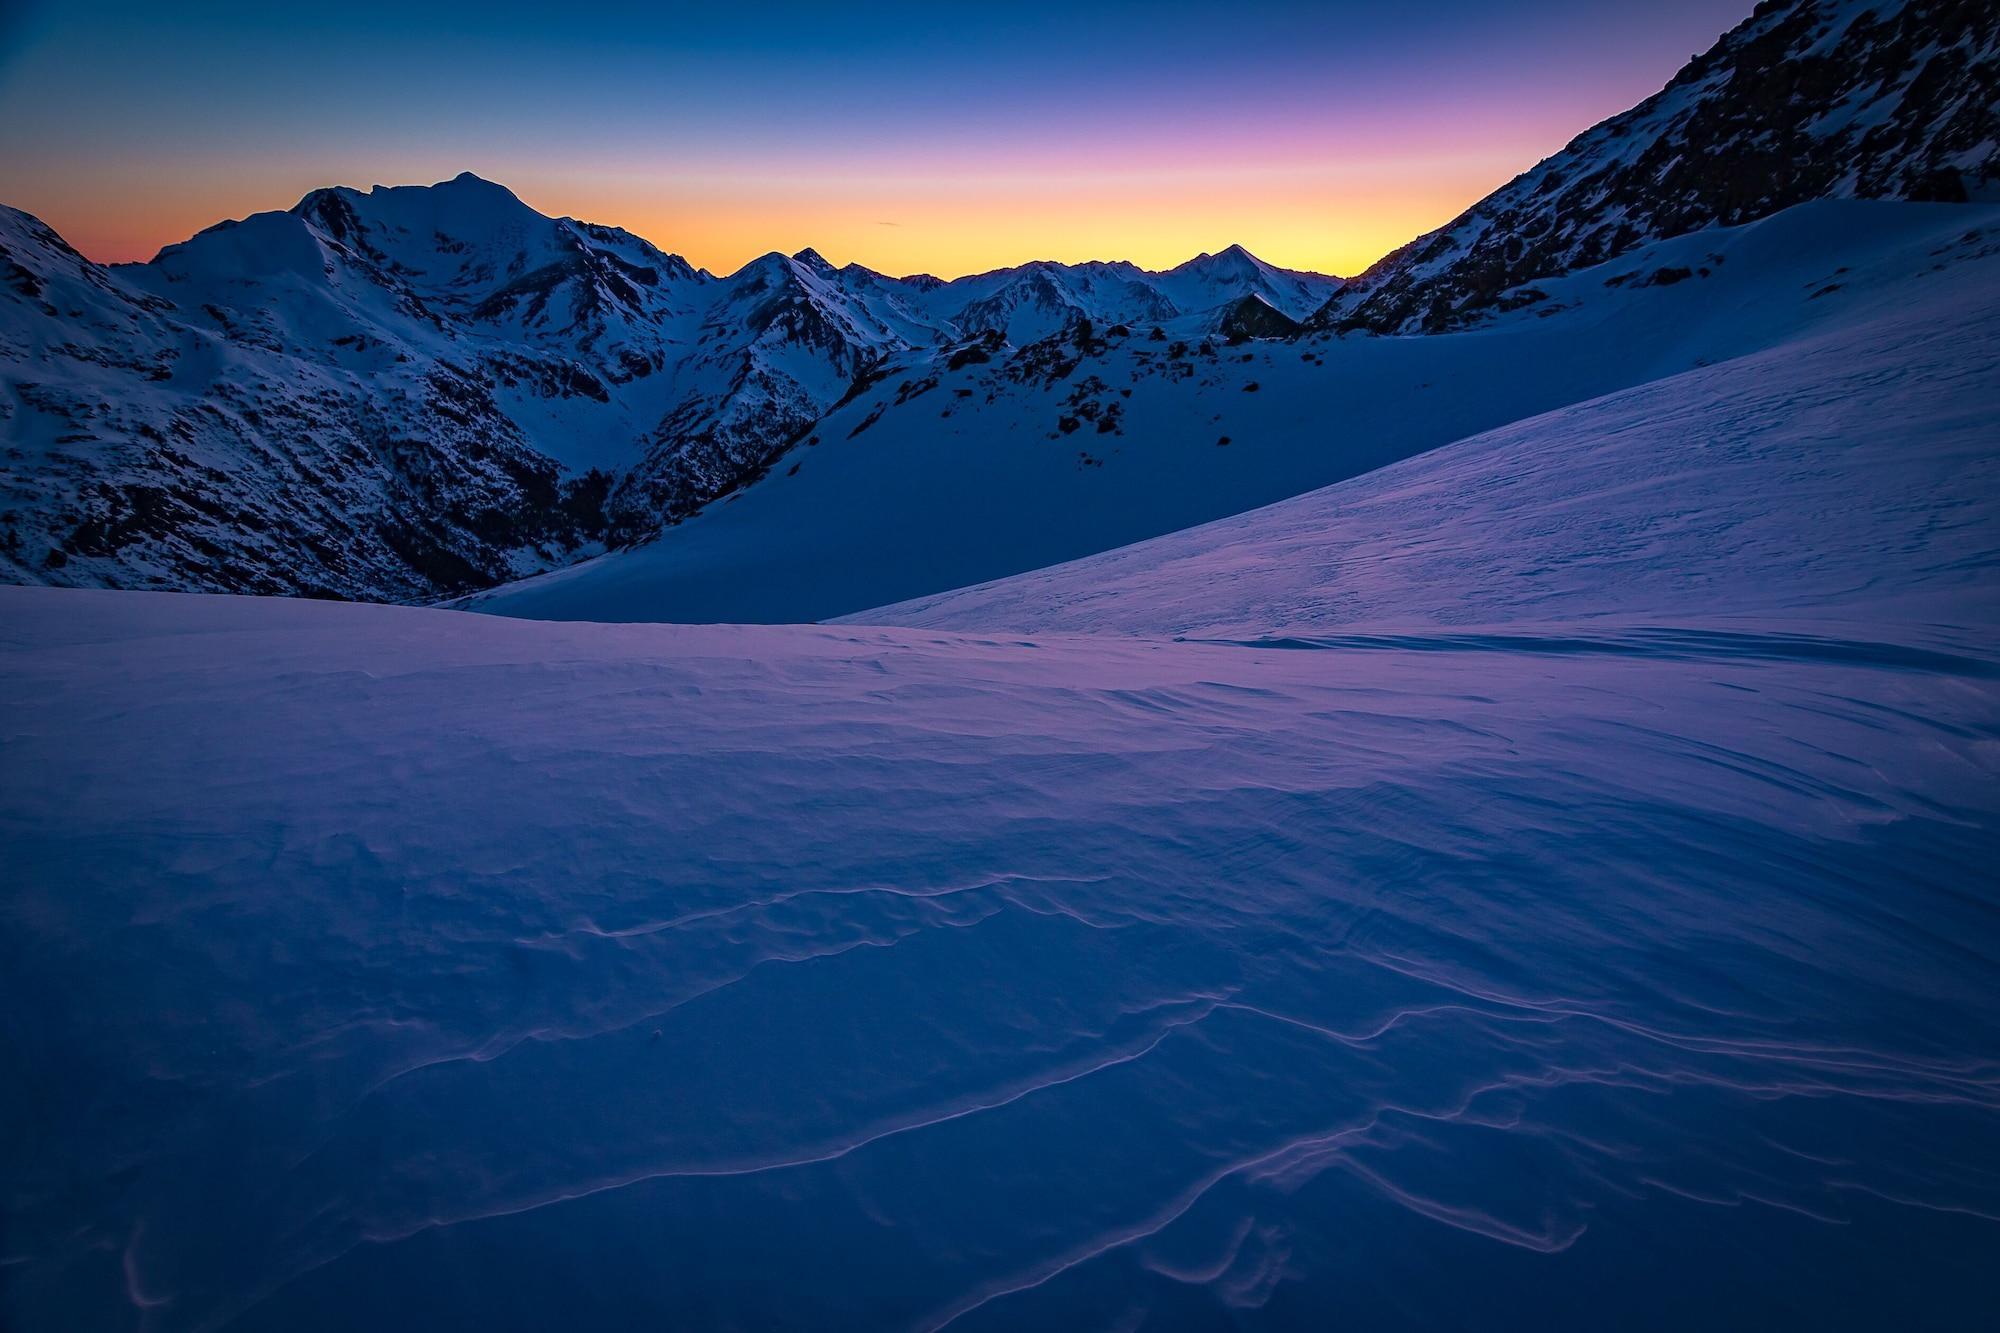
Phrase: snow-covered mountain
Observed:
(1542, 879)
(1745, 489)
(412, 391)
(265, 409)
(1807, 99)
(1555, 892)
(1208, 282)
(970, 467)
(956, 468)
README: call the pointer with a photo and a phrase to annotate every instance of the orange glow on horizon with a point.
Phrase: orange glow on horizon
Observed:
(1324, 225)
(1317, 135)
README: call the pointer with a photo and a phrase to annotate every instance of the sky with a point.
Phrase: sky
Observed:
(939, 137)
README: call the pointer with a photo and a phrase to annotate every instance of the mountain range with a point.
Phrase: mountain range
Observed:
(411, 393)
(417, 390)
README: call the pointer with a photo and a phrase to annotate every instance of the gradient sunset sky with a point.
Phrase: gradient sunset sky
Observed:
(940, 138)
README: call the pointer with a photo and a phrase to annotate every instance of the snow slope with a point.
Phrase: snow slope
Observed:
(950, 471)
(1629, 960)
(1850, 471)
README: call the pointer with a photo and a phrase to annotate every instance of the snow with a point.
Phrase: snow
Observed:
(1481, 831)
(1208, 281)
(975, 480)
(1560, 896)
(299, 353)
(1849, 472)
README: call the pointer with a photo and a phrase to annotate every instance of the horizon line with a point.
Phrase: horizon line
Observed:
(714, 274)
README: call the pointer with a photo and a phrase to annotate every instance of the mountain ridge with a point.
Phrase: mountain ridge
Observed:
(411, 391)
(1806, 99)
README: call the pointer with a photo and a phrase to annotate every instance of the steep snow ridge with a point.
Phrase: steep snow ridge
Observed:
(430, 389)
(269, 247)
(80, 305)
(1566, 874)
(961, 466)
(1807, 99)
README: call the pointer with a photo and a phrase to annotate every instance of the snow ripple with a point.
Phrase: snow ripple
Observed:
(610, 976)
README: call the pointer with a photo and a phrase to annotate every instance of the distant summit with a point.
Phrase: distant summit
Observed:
(1231, 259)
(813, 261)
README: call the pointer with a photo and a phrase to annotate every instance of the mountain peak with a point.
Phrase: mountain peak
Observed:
(469, 186)
(813, 261)
(1232, 260)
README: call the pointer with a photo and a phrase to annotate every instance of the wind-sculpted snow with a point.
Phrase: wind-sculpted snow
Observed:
(1543, 883)
(372, 967)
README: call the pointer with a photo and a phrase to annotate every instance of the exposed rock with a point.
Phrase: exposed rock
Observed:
(1807, 99)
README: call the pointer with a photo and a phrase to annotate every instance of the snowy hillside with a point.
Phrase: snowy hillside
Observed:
(412, 391)
(1852, 470)
(963, 466)
(1807, 99)
(1558, 896)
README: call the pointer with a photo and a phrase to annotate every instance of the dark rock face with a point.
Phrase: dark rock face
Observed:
(1807, 99)
(1253, 317)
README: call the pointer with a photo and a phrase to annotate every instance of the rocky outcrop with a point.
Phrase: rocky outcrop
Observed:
(1254, 317)
(1807, 99)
